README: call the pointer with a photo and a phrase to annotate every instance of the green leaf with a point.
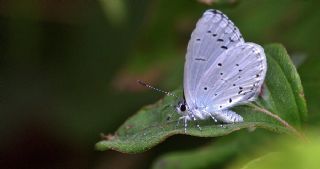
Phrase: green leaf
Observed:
(282, 95)
(293, 90)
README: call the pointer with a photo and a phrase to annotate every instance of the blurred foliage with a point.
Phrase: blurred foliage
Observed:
(115, 10)
(289, 154)
(68, 71)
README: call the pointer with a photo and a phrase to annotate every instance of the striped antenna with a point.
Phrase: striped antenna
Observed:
(156, 89)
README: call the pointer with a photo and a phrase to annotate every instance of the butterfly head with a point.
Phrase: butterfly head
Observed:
(182, 107)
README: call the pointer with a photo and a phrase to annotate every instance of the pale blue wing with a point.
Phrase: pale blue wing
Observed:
(214, 34)
(235, 77)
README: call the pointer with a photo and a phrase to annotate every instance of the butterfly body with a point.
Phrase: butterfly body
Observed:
(221, 70)
(226, 116)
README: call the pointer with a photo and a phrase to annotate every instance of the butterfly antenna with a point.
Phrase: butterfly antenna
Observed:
(156, 89)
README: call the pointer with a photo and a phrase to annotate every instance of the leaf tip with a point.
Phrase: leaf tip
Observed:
(102, 145)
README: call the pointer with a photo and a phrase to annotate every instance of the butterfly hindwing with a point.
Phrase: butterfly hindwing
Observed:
(234, 78)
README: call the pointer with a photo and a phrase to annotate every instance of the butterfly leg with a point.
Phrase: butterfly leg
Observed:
(215, 120)
(184, 118)
(185, 125)
(198, 126)
(178, 122)
(197, 123)
(212, 117)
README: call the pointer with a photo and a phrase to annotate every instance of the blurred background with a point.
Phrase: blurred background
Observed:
(68, 70)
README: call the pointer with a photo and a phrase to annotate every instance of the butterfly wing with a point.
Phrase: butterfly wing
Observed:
(235, 77)
(214, 33)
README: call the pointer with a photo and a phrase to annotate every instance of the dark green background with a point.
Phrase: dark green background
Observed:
(68, 70)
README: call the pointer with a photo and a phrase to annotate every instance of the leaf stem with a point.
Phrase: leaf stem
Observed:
(283, 122)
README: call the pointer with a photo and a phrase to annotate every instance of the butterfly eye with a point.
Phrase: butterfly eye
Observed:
(183, 107)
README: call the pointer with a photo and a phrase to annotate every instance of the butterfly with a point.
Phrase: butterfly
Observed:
(221, 71)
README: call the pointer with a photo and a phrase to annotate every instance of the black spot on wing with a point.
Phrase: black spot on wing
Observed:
(200, 59)
(220, 40)
(224, 47)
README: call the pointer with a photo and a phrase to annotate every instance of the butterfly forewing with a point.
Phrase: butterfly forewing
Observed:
(213, 35)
